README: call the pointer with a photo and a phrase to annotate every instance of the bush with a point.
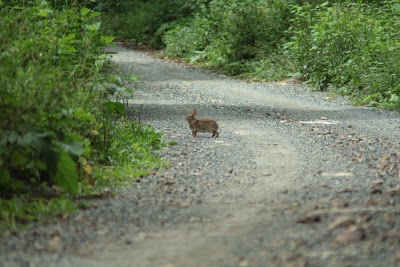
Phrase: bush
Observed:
(63, 112)
(353, 47)
(49, 62)
(229, 33)
(141, 20)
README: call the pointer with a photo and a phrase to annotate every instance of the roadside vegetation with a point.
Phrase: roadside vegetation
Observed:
(66, 133)
(347, 47)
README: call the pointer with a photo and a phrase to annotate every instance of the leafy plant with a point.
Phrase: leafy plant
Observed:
(64, 112)
(50, 59)
(47, 70)
(352, 47)
(142, 21)
(132, 153)
(239, 36)
(17, 211)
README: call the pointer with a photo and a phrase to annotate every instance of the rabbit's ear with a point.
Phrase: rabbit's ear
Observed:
(194, 112)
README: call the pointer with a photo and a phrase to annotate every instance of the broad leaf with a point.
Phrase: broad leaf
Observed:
(93, 27)
(39, 141)
(4, 176)
(114, 107)
(79, 113)
(74, 148)
(85, 11)
(94, 14)
(108, 39)
(66, 176)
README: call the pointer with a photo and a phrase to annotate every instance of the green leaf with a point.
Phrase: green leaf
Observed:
(115, 107)
(74, 148)
(133, 78)
(108, 39)
(8, 137)
(67, 50)
(39, 141)
(80, 114)
(94, 14)
(43, 13)
(69, 37)
(85, 11)
(66, 176)
(4, 176)
(93, 27)
(367, 99)
(19, 158)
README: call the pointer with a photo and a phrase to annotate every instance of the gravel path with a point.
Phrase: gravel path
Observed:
(295, 179)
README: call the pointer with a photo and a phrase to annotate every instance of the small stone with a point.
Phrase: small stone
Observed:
(54, 244)
(38, 246)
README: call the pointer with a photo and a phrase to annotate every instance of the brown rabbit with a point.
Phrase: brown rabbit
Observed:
(202, 125)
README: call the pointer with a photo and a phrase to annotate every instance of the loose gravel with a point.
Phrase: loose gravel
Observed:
(295, 179)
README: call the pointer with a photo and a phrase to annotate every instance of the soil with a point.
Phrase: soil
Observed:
(295, 178)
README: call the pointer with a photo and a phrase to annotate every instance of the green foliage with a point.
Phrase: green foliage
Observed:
(33, 156)
(17, 211)
(115, 89)
(58, 98)
(131, 153)
(237, 35)
(50, 60)
(131, 144)
(140, 20)
(353, 47)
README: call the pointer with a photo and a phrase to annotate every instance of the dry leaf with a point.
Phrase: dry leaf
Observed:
(348, 190)
(242, 262)
(356, 159)
(394, 191)
(376, 190)
(344, 221)
(353, 233)
(376, 202)
(296, 260)
(378, 182)
(310, 219)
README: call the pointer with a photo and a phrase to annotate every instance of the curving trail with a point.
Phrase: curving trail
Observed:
(295, 179)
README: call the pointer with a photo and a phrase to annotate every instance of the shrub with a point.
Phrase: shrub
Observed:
(63, 112)
(50, 59)
(140, 20)
(353, 47)
(229, 33)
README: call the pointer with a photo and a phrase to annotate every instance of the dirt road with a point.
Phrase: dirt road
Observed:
(294, 179)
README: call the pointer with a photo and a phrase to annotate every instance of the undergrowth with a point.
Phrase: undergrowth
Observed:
(65, 120)
(243, 38)
(348, 47)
